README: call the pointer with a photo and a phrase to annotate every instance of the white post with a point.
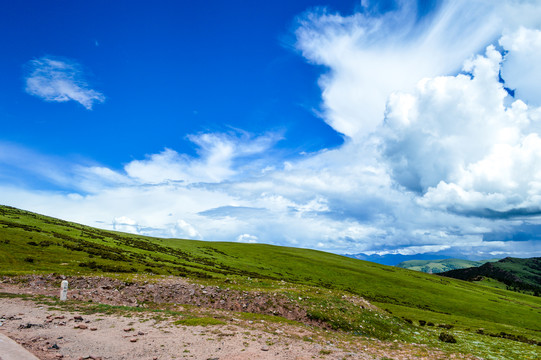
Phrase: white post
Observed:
(64, 290)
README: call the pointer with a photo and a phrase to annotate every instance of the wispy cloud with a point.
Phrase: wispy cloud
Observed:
(60, 80)
(220, 157)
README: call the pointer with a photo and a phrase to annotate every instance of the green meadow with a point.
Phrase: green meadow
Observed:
(486, 321)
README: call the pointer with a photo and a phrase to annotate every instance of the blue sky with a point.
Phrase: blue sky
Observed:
(183, 66)
(391, 127)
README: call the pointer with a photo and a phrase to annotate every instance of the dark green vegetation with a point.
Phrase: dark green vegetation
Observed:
(438, 266)
(31, 243)
(517, 274)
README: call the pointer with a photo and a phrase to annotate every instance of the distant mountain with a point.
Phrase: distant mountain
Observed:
(517, 274)
(441, 265)
(393, 259)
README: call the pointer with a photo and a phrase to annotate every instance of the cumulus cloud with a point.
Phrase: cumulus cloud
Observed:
(60, 80)
(455, 141)
(370, 54)
(184, 230)
(247, 238)
(522, 68)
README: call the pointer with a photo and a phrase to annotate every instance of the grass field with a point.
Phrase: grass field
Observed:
(487, 321)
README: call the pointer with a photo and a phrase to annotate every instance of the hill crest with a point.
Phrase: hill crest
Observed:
(516, 273)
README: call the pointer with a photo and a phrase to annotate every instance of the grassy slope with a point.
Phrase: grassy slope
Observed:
(31, 242)
(524, 274)
(438, 266)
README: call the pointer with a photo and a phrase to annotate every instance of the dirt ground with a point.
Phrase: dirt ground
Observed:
(53, 333)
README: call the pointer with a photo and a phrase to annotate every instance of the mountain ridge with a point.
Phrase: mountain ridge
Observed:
(516, 273)
(441, 265)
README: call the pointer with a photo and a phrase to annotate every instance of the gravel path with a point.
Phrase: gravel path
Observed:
(59, 335)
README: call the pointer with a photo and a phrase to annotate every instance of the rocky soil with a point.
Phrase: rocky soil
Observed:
(70, 333)
(168, 290)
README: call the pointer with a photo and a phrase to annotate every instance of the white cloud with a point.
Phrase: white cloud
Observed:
(125, 224)
(218, 157)
(184, 230)
(522, 67)
(456, 142)
(60, 80)
(247, 238)
(369, 55)
(412, 250)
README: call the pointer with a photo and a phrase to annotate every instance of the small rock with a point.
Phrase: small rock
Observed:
(82, 326)
(140, 333)
(93, 328)
(265, 348)
(78, 318)
(133, 340)
(59, 356)
(128, 329)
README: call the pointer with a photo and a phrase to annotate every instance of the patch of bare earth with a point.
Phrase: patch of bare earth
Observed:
(56, 333)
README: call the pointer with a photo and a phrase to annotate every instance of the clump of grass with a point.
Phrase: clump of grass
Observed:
(202, 321)
(448, 338)
(267, 318)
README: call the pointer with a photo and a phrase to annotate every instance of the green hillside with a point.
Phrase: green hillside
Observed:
(32, 243)
(438, 266)
(516, 274)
